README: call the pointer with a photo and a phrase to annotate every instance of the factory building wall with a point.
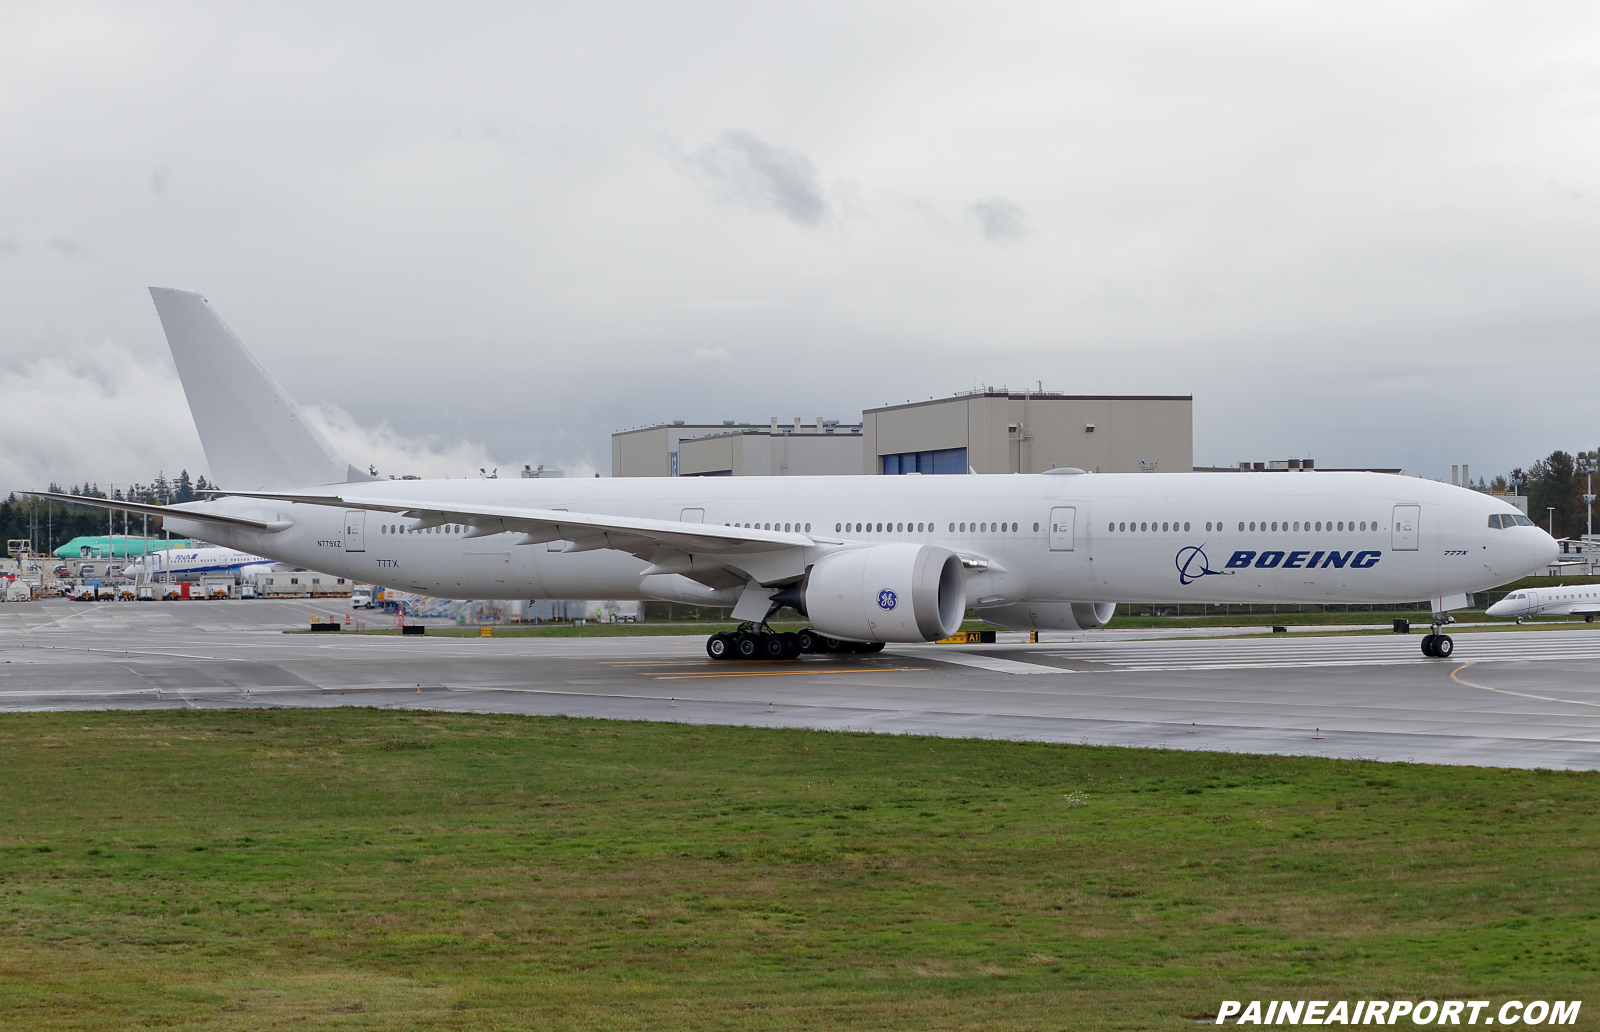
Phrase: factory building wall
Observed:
(650, 451)
(765, 454)
(1017, 433)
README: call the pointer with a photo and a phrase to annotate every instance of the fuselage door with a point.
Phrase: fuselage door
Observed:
(355, 527)
(1063, 522)
(1407, 528)
(692, 516)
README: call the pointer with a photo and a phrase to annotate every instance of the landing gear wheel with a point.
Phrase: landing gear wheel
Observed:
(1443, 646)
(720, 646)
(747, 646)
(833, 646)
(1588, 618)
(774, 646)
(1427, 644)
(808, 640)
(870, 646)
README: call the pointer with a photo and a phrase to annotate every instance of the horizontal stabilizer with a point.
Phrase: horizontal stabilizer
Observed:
(174, 511)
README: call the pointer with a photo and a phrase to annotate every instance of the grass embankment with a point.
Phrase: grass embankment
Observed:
(355, 868)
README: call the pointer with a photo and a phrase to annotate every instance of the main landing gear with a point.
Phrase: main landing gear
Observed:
(1436, 644)
(753, 641)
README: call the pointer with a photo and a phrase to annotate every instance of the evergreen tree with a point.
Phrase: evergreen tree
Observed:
(184, 488)
(1554, 484)
(160, 488)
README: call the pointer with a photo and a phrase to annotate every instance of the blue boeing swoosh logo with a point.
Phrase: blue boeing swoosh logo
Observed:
(1192, 565)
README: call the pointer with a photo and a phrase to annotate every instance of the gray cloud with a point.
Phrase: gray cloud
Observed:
(740, 166)
(1002, 221)
(458, 228)
(69, 248)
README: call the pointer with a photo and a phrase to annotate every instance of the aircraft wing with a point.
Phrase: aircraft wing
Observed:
(582, 531)
(173, 511)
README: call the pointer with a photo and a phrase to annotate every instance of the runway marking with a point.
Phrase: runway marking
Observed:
(120, 652)
(1280, 654)
(774, 673)
(1504, 691)
(1001, 666)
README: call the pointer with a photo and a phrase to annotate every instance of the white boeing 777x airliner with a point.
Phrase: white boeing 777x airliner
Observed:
(866, 560)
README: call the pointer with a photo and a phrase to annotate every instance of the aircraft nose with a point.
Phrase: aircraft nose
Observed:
(1545, 550)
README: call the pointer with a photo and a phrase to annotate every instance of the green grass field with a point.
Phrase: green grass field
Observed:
(352, 868)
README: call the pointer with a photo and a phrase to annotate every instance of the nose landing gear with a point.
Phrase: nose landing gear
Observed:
(1438, 645)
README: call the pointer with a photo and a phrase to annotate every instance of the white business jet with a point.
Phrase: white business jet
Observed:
(1579, 600)
(866, 559)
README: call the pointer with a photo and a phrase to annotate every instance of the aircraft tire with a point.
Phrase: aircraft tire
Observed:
(1427, 644)
(808, 640)
(792, 643)
(1443, 646)
(870, 646)
(746, 646)
(720, 646)
(774, 647)
(834, 646)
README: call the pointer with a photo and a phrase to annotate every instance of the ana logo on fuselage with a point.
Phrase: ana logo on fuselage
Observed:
(1193, 564)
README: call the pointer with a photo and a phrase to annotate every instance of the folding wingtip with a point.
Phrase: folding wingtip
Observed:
(172, 294)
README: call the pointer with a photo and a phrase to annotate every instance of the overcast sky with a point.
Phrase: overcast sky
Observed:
(474, 234)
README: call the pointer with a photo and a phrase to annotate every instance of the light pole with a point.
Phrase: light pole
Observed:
(1586, 467)
(1552, 520)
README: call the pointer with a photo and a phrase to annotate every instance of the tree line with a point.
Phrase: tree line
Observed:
(49, 524)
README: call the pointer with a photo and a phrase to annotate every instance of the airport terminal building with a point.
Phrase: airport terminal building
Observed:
(991, 430)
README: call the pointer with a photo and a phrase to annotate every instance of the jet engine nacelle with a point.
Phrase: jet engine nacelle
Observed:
(892, 592)
(1050, 616)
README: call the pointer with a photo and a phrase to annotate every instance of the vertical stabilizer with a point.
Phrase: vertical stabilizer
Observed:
(253, 433)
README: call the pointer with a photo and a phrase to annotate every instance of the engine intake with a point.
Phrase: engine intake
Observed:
(887, 593)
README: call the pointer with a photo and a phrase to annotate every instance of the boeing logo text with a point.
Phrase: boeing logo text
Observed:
(1299, 561)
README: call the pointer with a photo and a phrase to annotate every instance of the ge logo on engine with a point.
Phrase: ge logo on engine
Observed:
(886, 599)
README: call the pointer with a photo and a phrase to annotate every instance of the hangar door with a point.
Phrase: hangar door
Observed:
(355, 526)
(1407, 528)
(1063, 521)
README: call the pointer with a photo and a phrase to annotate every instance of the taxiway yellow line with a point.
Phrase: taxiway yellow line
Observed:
(774, 673)
(1503, 691)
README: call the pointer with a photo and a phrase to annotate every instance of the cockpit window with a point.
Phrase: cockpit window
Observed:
(1494, 521)
(1501, 520)
(1522, 521)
